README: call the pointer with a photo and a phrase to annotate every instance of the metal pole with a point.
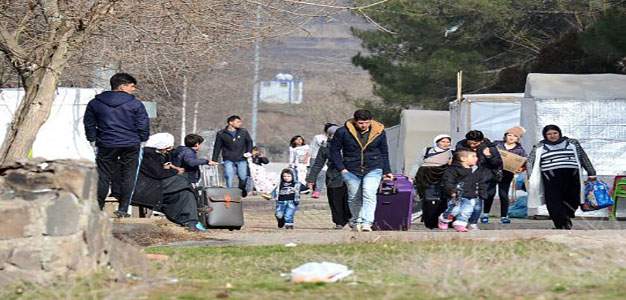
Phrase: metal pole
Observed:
(195, 117)
(255, 87)
(183, 130)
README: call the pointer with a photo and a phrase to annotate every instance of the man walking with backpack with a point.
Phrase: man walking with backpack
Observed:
(116, 126)
(235, 144)
(359, 150)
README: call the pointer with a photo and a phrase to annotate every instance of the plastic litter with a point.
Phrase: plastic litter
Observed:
(320, 272)
(290, 245)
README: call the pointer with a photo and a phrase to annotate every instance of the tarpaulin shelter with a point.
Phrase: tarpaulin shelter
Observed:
(492, 114)
(416, 130)
(589, 108)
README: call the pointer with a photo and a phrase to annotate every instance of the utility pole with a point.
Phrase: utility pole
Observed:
(195, 117)
(255, 86)
(183, 129)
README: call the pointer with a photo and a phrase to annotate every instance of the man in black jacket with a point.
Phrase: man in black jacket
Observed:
(488, 157)
(116, 125)
(359, 150)
(235, 145)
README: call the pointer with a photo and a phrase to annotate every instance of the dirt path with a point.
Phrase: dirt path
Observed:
(313, 226)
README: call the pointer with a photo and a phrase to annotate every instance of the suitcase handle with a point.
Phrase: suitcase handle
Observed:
(394, 189)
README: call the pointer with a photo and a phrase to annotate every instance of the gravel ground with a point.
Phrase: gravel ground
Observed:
(313, 225)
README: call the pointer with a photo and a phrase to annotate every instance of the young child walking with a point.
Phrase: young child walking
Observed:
(465, 184)
(287, 195)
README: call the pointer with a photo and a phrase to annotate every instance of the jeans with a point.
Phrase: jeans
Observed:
(460, 212)
(362, 195)
(478, 208)
(286, 210)
(242, 173)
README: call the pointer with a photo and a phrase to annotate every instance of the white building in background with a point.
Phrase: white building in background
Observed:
(282, 90)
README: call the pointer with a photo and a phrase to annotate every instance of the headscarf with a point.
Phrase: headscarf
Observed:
(437, 139)
(552, 127)
(160, 141)
(332, 129)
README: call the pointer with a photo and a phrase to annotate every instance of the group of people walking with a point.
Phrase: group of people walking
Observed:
(355, 156)
(473, 172)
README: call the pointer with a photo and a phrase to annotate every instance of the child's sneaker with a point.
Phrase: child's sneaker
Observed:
(315, 194)
(288, 226)
(484, 219)
(442, 225)
(473, 227)
(366, 228)
(460, 228)
(505, 220)
(356, 227)
(281, 222)
(267, 197)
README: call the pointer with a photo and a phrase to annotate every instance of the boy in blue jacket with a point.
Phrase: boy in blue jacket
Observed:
(186, 157)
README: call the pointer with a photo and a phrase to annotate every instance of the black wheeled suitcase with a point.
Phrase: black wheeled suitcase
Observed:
(433, 206)
(226, 204)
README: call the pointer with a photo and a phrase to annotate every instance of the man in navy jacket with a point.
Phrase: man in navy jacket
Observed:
(359, 150)
(117, 125)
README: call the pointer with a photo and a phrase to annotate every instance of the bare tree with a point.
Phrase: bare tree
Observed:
(41, 38)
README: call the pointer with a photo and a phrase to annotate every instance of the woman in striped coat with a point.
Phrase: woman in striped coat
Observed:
(555, 166)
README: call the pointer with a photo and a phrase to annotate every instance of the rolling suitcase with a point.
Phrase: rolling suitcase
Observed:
(226, 203)
(394, 204)
(432, 206)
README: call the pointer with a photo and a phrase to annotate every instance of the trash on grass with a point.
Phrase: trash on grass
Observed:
(290, 245)
(320, 272)
(157, 256)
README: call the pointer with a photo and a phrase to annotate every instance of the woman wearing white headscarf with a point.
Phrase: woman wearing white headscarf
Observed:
(161, 187)
(427, 173)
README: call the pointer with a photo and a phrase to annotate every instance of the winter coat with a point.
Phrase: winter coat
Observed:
(474, 183)
(232, 148)
(297, 186)
(116, 119)
(149, 188)
(536, 196)
(518, 149)
(333, 176)
(260, 160)
(493, 163)
(187, 158)
(347, 152)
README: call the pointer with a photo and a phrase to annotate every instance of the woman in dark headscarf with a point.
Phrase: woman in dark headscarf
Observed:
(555, 168)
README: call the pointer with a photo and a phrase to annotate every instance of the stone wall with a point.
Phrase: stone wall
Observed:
(50, 223)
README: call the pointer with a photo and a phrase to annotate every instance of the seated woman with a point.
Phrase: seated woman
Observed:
(161, 187)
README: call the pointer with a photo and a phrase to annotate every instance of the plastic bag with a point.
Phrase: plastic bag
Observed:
(596, 196)
(319, 272)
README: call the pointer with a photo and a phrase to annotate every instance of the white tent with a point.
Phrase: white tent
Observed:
(416, 130)
(589, 108)
(63, 134)
(393, 142)
(492, 114)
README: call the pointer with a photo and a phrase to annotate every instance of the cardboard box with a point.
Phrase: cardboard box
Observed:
(512, 162)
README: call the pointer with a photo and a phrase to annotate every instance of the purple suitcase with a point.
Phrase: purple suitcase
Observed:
(394, 204)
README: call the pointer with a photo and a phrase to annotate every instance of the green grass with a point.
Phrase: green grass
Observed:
(458, 269)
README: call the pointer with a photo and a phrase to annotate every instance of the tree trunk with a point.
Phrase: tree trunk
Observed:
(31, 114)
